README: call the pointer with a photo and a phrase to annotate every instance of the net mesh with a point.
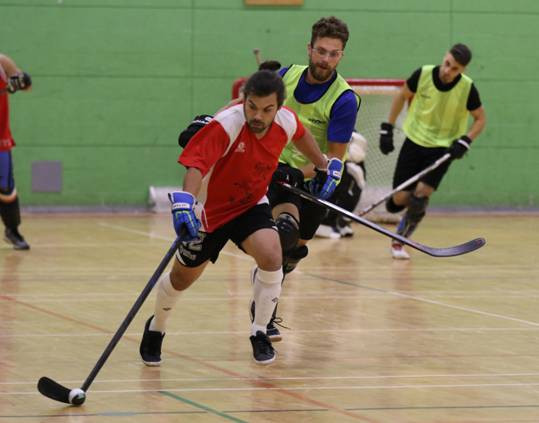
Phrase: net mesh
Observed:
(376, 97)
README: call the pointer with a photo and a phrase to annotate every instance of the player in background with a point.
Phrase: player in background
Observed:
(442, 99)
(327, 106)
(12, 79)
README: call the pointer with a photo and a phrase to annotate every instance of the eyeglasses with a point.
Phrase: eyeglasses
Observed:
(322, 52)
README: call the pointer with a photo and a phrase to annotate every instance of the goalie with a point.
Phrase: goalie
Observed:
(348, 192)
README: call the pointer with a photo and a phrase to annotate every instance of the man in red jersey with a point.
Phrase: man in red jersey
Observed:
(230, 163)
(12, 79)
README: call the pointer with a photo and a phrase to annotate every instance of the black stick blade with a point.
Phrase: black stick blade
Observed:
(456, 250)
(53, 390)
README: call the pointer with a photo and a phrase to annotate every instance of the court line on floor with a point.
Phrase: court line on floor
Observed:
(287, 378)
(283, 410)
(262, 385)
(429, 301)
(201, 406)
(164, 238)
(299, 388)
(242, 332)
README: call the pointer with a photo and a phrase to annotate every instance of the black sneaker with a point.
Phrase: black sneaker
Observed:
(272, 331)
(150, 346)
(263, 352)
(13, 237)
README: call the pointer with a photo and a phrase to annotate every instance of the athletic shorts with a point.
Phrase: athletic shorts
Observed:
(7, 183)
(310, 214)
(208, 246)
(413, 159)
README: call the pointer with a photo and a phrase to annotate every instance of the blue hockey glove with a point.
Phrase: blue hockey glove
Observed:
(324, 183)
(185, 222)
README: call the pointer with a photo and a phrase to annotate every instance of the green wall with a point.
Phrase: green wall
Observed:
(115, 81)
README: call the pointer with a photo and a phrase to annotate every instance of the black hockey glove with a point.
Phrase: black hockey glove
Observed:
(21, 81)
(196, 125)
(386, 138)
(288, 175)
(459, 147)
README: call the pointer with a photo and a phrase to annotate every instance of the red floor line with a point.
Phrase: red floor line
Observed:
(254, 382)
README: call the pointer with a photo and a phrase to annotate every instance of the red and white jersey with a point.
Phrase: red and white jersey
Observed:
(235, 165)
(6, 140)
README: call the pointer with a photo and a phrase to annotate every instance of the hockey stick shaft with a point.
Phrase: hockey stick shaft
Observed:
(256, 52)
(407, 183)
(130, 315)
(456, 250)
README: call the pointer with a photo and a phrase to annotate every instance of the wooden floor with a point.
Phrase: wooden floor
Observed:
(370, 339)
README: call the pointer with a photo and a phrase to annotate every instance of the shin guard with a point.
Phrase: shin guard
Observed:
(415, 212)
(11, 214)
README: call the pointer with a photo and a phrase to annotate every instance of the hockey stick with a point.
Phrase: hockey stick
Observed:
(456, 250)
(256, 52)
(57, 392)
(406, 183)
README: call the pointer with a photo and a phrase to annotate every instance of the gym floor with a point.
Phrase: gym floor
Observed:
(371, 339)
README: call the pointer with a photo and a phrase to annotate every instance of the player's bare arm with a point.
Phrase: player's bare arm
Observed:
(479, 122)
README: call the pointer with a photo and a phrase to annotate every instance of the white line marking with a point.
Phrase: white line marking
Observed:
(298, 388)
(151, 235)
(265, 379)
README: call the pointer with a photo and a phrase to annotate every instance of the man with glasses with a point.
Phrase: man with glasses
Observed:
(327, 106)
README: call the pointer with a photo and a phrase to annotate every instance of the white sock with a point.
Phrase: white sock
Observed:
(267, 288)
(167, 297)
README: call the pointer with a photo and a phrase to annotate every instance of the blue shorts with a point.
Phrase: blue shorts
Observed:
(7, 183)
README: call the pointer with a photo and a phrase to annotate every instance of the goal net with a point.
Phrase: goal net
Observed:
(376, 97)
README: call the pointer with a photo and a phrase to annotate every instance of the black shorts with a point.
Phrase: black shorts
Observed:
(413, 159)
(310, 214)
(208, 246)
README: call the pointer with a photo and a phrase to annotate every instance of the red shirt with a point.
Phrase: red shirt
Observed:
(6, 140)
(235, 165)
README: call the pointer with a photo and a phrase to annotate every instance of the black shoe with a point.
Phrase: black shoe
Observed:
(272, 331)
(15, 238)
(150, 346)
(263, 352)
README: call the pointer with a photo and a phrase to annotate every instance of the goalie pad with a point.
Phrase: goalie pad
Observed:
(357, 147)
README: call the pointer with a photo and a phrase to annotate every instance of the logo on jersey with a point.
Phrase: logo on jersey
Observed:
(240, 148)
(316, 121)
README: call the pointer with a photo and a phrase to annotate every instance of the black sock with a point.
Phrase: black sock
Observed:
(11, 214)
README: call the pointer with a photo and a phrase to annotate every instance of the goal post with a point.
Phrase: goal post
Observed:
(376, 98)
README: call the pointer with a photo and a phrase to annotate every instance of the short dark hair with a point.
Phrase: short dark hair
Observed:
(461, 53)
(264, 83)
(331, 27)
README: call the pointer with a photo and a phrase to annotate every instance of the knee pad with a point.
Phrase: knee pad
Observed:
(291, 260)
(417, 207)
(288, 228)
(391, 207)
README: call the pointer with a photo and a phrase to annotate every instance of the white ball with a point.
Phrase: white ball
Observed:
(77, 396)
